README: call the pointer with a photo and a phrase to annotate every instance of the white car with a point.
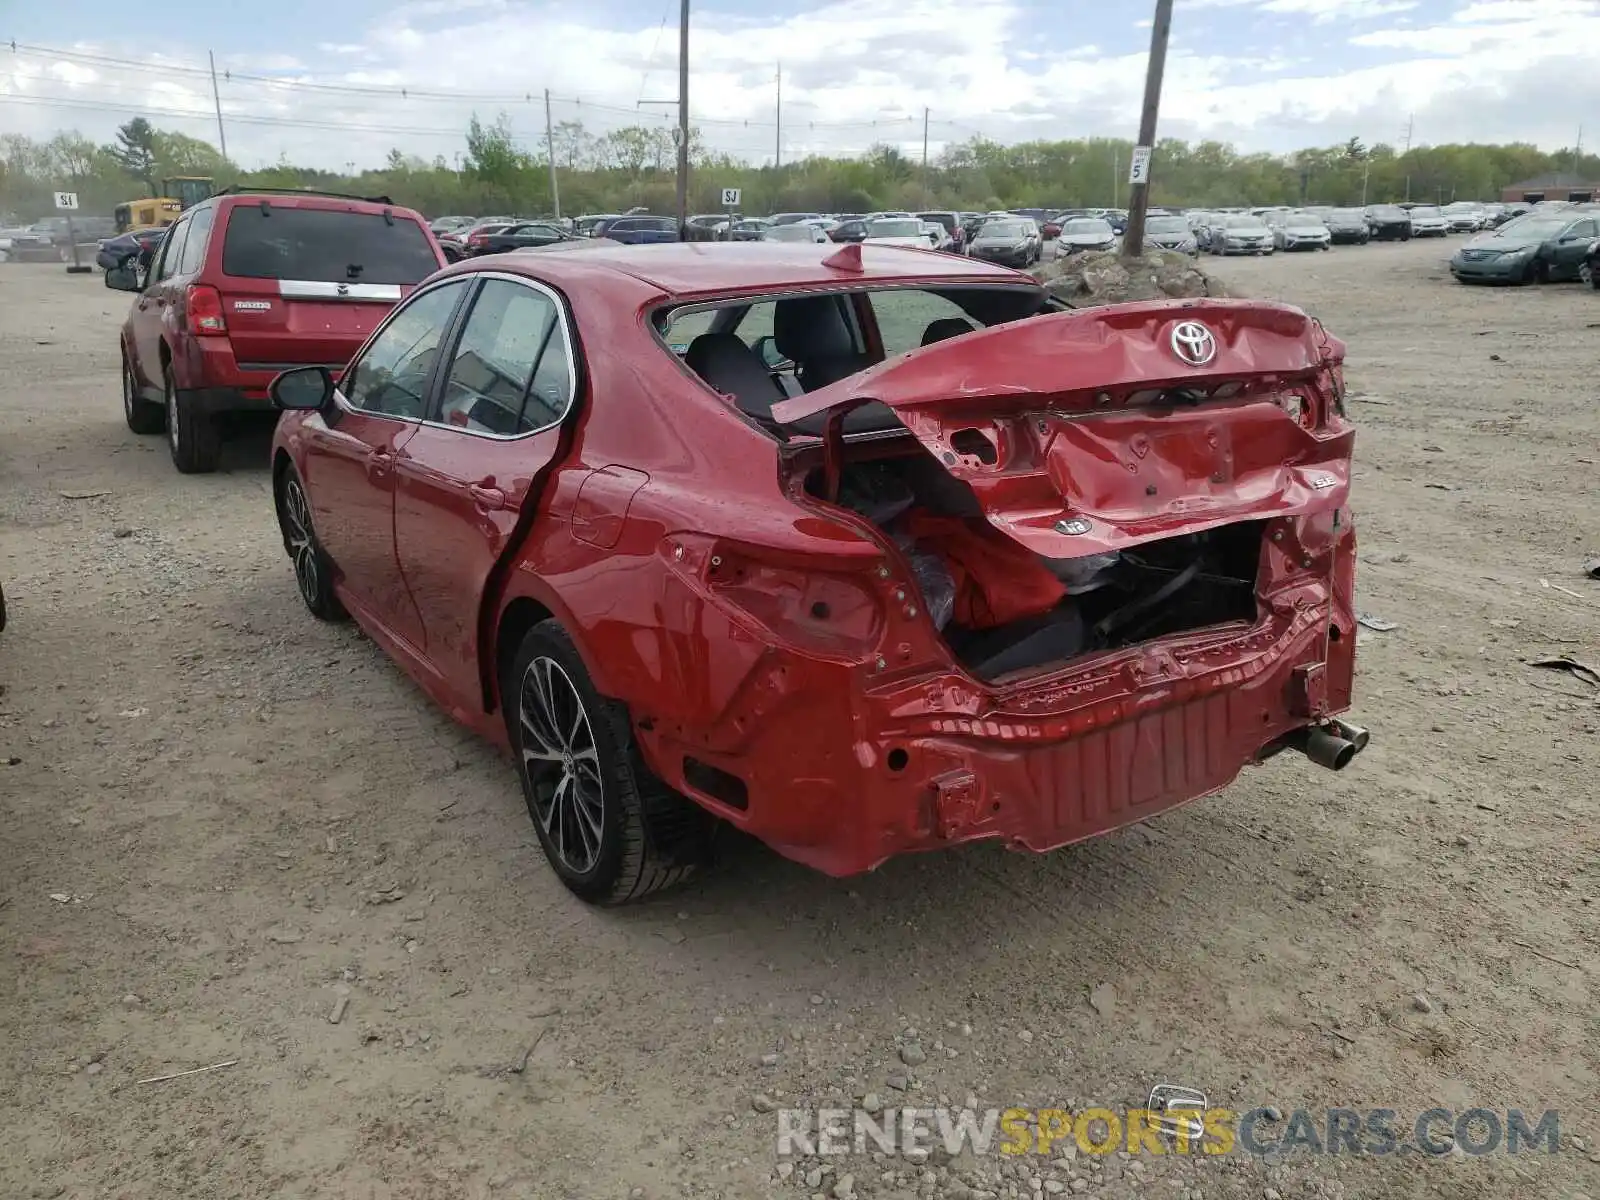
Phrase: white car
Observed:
(1428, 221)
(1465, 217)
(1299, 230)
(900, 231)
(804, 232)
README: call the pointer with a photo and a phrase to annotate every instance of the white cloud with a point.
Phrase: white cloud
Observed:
(855, 72)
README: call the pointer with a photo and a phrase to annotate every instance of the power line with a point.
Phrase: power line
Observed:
(201, 76)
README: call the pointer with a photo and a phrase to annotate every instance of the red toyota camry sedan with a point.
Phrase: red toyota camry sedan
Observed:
(864, 550)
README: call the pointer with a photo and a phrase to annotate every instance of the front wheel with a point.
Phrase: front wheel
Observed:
(612, 832)
(313, 571)
(1586, 273)
(141, 415)
(1538, 271)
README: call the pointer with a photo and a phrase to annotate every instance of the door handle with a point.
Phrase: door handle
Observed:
(487, 497)
(378, 464)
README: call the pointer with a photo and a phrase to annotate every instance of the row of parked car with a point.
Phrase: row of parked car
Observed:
(1015, 237)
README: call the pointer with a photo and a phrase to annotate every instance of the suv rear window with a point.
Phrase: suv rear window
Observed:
(324, 246)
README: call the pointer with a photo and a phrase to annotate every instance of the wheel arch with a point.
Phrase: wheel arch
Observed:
(527, 606)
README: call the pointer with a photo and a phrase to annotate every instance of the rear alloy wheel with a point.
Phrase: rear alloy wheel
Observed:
(141, 415)
(192, 436)
(612, 831)
(313, 571)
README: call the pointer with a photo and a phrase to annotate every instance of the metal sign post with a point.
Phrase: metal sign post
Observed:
(730, 201)
(67, 202)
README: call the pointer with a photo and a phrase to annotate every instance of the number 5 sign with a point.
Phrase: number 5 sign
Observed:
(67, 200)
(730, 197)
(1139, 166)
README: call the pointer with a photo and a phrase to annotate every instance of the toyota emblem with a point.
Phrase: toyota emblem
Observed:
(1194, 343)
(344, 290)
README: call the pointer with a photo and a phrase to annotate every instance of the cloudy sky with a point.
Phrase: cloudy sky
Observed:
(337, 81)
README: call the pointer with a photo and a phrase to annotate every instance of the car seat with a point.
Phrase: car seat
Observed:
(812, 333)
(733, 369)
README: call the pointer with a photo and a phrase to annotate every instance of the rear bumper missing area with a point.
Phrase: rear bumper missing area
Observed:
(870, 773)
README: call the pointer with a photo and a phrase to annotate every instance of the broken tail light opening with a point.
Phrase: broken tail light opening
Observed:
(204, 306)
(804, 604)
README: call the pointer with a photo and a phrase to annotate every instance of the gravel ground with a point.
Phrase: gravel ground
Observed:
(223, 822)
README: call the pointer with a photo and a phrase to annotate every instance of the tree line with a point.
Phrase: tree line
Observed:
(635, 165)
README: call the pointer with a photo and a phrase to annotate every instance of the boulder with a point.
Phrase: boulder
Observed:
(1088, 280)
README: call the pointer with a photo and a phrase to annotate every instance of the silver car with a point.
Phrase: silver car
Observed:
(1299, 230)
(1242, 234)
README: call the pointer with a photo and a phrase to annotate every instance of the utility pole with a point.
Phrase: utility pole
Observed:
(777, 145)
(1139, 191)
(550, 148)
(1116, 173)
(1366, 176)
(1577, 153)
(924, 146)
(216, 97)
(683, 117)
(1411, 125)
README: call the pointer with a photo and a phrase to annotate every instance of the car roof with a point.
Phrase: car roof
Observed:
(690, 268)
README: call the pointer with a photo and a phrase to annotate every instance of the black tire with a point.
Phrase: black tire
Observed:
(192, 437)
(141, 415)
(313, 569)
(1538, 271)
(612, 832)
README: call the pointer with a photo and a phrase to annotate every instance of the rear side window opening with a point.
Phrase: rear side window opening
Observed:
(760, 350)
(321, 245)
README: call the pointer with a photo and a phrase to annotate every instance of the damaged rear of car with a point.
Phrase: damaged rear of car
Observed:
(1111, 564)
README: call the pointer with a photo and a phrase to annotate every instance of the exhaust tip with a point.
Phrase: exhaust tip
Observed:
(1325, 746)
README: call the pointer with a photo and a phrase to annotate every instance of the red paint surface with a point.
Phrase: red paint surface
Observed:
(661, 530)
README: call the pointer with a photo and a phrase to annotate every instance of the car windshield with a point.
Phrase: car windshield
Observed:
(996, 231)
(895, 228)
(1088, 228)
(1303, 218)
(947, 220)
(1426, 212)
(1246, 223)
(1345, 214)
(269, 241)
(1166, 225)
(1390, 212)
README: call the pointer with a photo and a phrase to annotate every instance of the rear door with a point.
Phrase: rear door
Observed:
(350, 454)
(306, 285)
(470, 475)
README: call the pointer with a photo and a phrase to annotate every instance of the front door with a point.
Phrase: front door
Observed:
(150, 315)
(1573, 248)
(351, 453)
(469, 477)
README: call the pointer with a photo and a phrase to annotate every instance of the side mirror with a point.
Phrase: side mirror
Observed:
(302, 389)
(122, 278)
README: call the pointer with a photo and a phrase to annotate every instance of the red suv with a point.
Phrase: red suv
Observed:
(247, 285)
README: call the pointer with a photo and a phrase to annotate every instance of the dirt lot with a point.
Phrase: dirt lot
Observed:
(209, 794)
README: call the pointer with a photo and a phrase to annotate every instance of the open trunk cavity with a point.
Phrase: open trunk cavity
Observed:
(1003, 609)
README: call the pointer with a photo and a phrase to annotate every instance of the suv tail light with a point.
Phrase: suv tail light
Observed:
(204, 305)
(477, 239)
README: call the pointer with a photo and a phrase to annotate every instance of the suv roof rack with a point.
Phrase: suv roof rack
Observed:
(240, 190)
